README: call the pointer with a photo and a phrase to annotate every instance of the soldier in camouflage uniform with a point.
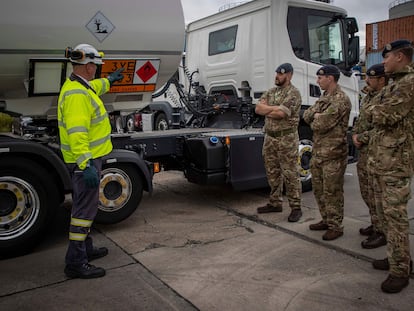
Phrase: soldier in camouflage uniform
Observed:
(362, 131)
(392, 159)
(328, 119)
(280, 106)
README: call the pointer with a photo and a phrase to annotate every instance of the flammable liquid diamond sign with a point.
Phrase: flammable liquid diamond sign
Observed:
(146, 71)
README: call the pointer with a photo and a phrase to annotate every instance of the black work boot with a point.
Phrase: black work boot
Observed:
(367, 231)
(373, 241)
(268, 208)
(394, 284)
(84, 271)
(97, 252)
(295, 215)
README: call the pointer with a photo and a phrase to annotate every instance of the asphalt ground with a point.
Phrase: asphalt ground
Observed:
(191, 247)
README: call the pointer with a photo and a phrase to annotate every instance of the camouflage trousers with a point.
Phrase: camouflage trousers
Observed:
(281, 162)
(328, 189)
(391, 197)
(367, 190)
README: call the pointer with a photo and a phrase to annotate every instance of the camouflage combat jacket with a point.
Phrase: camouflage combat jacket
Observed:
(391, 146)
(330, 127)
(363, 125)
(290, 101)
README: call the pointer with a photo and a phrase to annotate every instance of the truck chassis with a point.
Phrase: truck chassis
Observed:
(34, 180)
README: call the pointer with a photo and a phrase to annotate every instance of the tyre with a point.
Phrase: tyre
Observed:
(161, 122)
(130, 124)
(120, 193)
(305, 156)
(28, 200)
(119, 124)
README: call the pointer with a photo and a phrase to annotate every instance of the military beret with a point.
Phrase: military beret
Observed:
(328, 70)
(376, 71)
(284, 68)
(395, 45)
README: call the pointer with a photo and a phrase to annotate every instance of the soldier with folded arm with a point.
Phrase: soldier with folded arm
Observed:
(281, 106)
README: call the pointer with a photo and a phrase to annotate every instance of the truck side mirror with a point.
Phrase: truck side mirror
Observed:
(351, 25)
(353, 51)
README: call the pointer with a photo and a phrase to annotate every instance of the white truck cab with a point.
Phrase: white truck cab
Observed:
(235, 52)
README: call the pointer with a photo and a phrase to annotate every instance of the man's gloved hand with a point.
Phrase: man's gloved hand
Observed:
(116, 76)
(90, 176)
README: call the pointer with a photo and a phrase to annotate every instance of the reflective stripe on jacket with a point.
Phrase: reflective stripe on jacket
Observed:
(84, 126)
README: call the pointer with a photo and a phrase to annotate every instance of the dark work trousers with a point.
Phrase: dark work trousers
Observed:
(84, 208)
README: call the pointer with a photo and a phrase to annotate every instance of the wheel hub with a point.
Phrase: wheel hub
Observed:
(8, 202)
(305, 156)
(17, 214)
(115, 190)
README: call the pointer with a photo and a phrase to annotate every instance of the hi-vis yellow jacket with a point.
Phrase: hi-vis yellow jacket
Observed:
(84, 126)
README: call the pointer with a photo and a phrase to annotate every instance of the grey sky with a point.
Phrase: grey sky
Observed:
(366, 11)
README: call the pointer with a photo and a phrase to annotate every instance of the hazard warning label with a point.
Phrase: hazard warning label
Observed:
(100, 26)
(146, 72)
(140, 75)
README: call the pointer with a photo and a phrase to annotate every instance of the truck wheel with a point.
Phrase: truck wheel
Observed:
(305, 155)
(120, 193)
(130, 124)
(28, 199)
(161, 122)
(119, 124)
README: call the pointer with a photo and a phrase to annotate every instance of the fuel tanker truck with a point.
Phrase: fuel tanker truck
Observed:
(228, 63)
(144, 37)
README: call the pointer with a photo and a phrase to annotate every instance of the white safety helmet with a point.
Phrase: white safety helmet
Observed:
(84, 54)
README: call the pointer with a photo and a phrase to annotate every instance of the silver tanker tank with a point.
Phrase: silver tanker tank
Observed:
(145, 36)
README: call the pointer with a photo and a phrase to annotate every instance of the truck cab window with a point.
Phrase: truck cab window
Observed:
(317, 36)
(325, 42)
(222, 41)
(295, 29)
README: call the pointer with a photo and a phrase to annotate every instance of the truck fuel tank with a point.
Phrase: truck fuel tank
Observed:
(205, 153)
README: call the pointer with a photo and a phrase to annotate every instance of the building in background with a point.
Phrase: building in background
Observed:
(400, 25)
(400, 8)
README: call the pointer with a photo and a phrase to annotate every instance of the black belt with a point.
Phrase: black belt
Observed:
(276, 134)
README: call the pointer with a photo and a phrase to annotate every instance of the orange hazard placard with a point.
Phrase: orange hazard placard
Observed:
(140, 75)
